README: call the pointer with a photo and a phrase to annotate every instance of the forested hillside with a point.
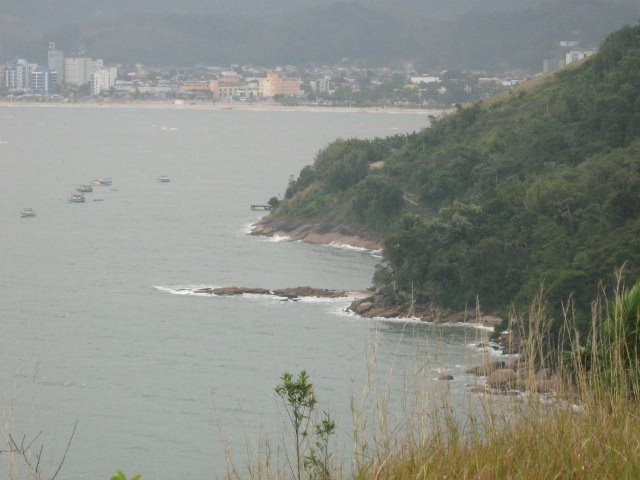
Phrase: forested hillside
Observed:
(539, 186)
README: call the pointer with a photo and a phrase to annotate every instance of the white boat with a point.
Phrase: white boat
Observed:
(76, 198)
(84, 188)
(163, 179)
(27, 212)
(103, 182)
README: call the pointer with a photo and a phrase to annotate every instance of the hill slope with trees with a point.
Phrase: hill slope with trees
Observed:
(538, 186)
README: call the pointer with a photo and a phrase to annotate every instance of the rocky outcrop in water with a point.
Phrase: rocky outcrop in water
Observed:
(289, 293)
(504, 378)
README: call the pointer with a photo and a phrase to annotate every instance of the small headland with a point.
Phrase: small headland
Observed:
(380, 305)
(315, 233)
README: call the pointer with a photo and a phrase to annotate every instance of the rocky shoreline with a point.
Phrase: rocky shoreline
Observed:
(378, 305)
(366, 305)
(515, 377)
(319, 234)
(511, 376)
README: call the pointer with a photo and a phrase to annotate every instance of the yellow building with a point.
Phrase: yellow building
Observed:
(276, 84)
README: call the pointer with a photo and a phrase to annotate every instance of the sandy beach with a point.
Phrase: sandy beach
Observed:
(261, 106)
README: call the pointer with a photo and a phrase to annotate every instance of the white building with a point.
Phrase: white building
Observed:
(17, 75)
(78, 70)
(425, 79)
(320, 85)
(576, 55)
(103, 79)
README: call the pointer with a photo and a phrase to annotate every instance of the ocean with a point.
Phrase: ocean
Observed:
(98, 322)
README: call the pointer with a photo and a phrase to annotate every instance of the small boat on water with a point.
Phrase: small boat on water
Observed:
(103, 182)
(163, 179)
(84, 188)
(27, 212)
(77, 198)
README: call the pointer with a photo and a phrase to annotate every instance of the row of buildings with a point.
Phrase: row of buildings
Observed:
(233, 85)
(24, 76)
(78, 77)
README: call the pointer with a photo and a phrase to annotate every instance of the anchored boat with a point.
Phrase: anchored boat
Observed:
(103, 182)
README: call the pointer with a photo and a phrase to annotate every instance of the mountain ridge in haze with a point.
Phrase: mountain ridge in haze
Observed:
(370, 33)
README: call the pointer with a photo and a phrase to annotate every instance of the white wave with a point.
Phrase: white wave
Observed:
(248, 228)
(417, 320)
(279, 238)
(164, 128)
(192, 290)
(347, 300)
(477, 326)
(3, 142)
(184, 290)
(410, 320)
(489, 348)
(346, 246)
(343, 311)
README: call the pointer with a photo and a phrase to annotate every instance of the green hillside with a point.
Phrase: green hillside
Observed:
(540, 186)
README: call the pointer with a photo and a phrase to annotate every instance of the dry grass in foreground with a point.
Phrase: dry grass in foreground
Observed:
(599, 441)
(589, 430)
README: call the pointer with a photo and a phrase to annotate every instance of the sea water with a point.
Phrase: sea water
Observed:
(98, 320)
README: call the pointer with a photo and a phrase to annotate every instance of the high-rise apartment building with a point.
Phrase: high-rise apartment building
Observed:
(16, 75)
(42, 80)
(103, 79)
(55, 61)
(78, 70)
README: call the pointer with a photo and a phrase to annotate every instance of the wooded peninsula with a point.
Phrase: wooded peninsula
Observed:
(537, 188)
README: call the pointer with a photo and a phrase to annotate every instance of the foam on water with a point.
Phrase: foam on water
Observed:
(278, 238)
(192, 290)
(490, 348)
(412, 320)
(346, 246)
(248, 228)
(185, 290)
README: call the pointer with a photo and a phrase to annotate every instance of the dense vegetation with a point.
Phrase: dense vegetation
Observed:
(432, 34)
(539, 186)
